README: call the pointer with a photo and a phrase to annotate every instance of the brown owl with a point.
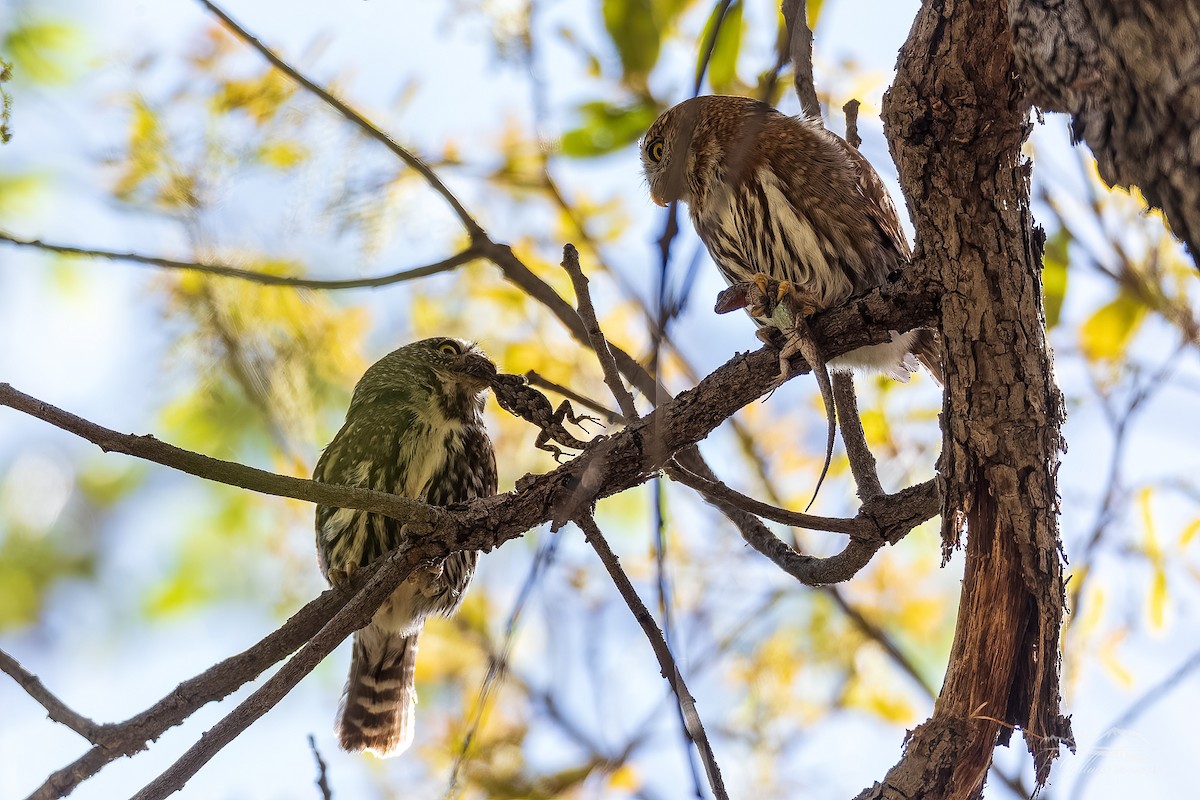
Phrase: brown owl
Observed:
(783, 198)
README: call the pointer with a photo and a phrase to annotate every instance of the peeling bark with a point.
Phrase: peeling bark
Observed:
(1128, 73)
(955, 121)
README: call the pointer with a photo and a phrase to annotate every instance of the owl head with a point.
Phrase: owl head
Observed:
(455, 370)
(693, 145)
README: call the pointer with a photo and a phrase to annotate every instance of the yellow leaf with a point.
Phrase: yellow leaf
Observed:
(627, 778)
(1189, 533)
(1111, 663)
(282, 155)
(1107, 333)
(260, 97)
(43, 51)
(1158, 597)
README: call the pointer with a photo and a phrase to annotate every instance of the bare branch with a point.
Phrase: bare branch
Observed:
(227, 472)
(356, 613)
(856, 528)
(666, 661)
(850, 109)
(216, 682)
(587, 312)
(895, 515)
(265, 278)
(322, 781)
(473, 228)
(795, 13)
(862, 463)
(56, 709)
(710, 44)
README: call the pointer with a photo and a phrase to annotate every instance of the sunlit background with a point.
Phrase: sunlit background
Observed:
(145, 127)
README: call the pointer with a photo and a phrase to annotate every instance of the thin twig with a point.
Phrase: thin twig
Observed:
(56, 709)
(322, 780)
(850, 109)
(795, 13)
(710, 44)
(473, 228)
(498, 662)
(265, 278)
(1139, 707)
(862, 462)
(670, 669)
(587, 312)
(857, 528)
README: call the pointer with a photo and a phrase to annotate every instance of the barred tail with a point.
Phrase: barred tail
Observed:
(379, 707)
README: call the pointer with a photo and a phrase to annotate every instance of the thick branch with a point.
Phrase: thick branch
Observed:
(956, 127)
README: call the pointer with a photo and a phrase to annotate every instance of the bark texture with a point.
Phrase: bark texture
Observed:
(955, 121)
(1128, 73)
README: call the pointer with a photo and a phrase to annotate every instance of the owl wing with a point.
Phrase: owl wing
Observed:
(879, 205)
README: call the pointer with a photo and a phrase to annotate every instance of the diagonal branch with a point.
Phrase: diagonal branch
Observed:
(356, 613)
(214, 469)
(670, 670)
(56, 709)
(587, 312)
(356, 118)
(265, 278)
(795, 14)
(216, 682)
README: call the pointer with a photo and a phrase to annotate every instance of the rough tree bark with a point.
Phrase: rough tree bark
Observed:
(1128, 73)
(955, 121)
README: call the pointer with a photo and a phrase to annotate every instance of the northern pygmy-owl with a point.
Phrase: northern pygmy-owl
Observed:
(414, 428)
(784, 197)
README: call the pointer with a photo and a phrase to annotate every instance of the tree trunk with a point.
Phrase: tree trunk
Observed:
(955, 121)
(1128, 73)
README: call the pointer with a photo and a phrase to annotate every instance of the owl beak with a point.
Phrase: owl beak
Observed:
(658, 201)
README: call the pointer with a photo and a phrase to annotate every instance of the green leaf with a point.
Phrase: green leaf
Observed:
(607, 127)
(722, 67)
(1054, 275)
(636, 34)
(1107, 333)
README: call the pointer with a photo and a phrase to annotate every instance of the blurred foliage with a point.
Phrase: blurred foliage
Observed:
(42, 50)
(5, 103)
(262, 375)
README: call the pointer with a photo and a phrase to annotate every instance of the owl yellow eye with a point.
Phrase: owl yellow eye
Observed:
(449, 348)
(654, 150)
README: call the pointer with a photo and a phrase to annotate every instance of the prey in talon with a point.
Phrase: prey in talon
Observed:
(517, 397)
(783, 312)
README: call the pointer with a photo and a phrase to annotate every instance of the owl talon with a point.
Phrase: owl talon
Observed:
(763, 281)
(429, 580)
(340, 577)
